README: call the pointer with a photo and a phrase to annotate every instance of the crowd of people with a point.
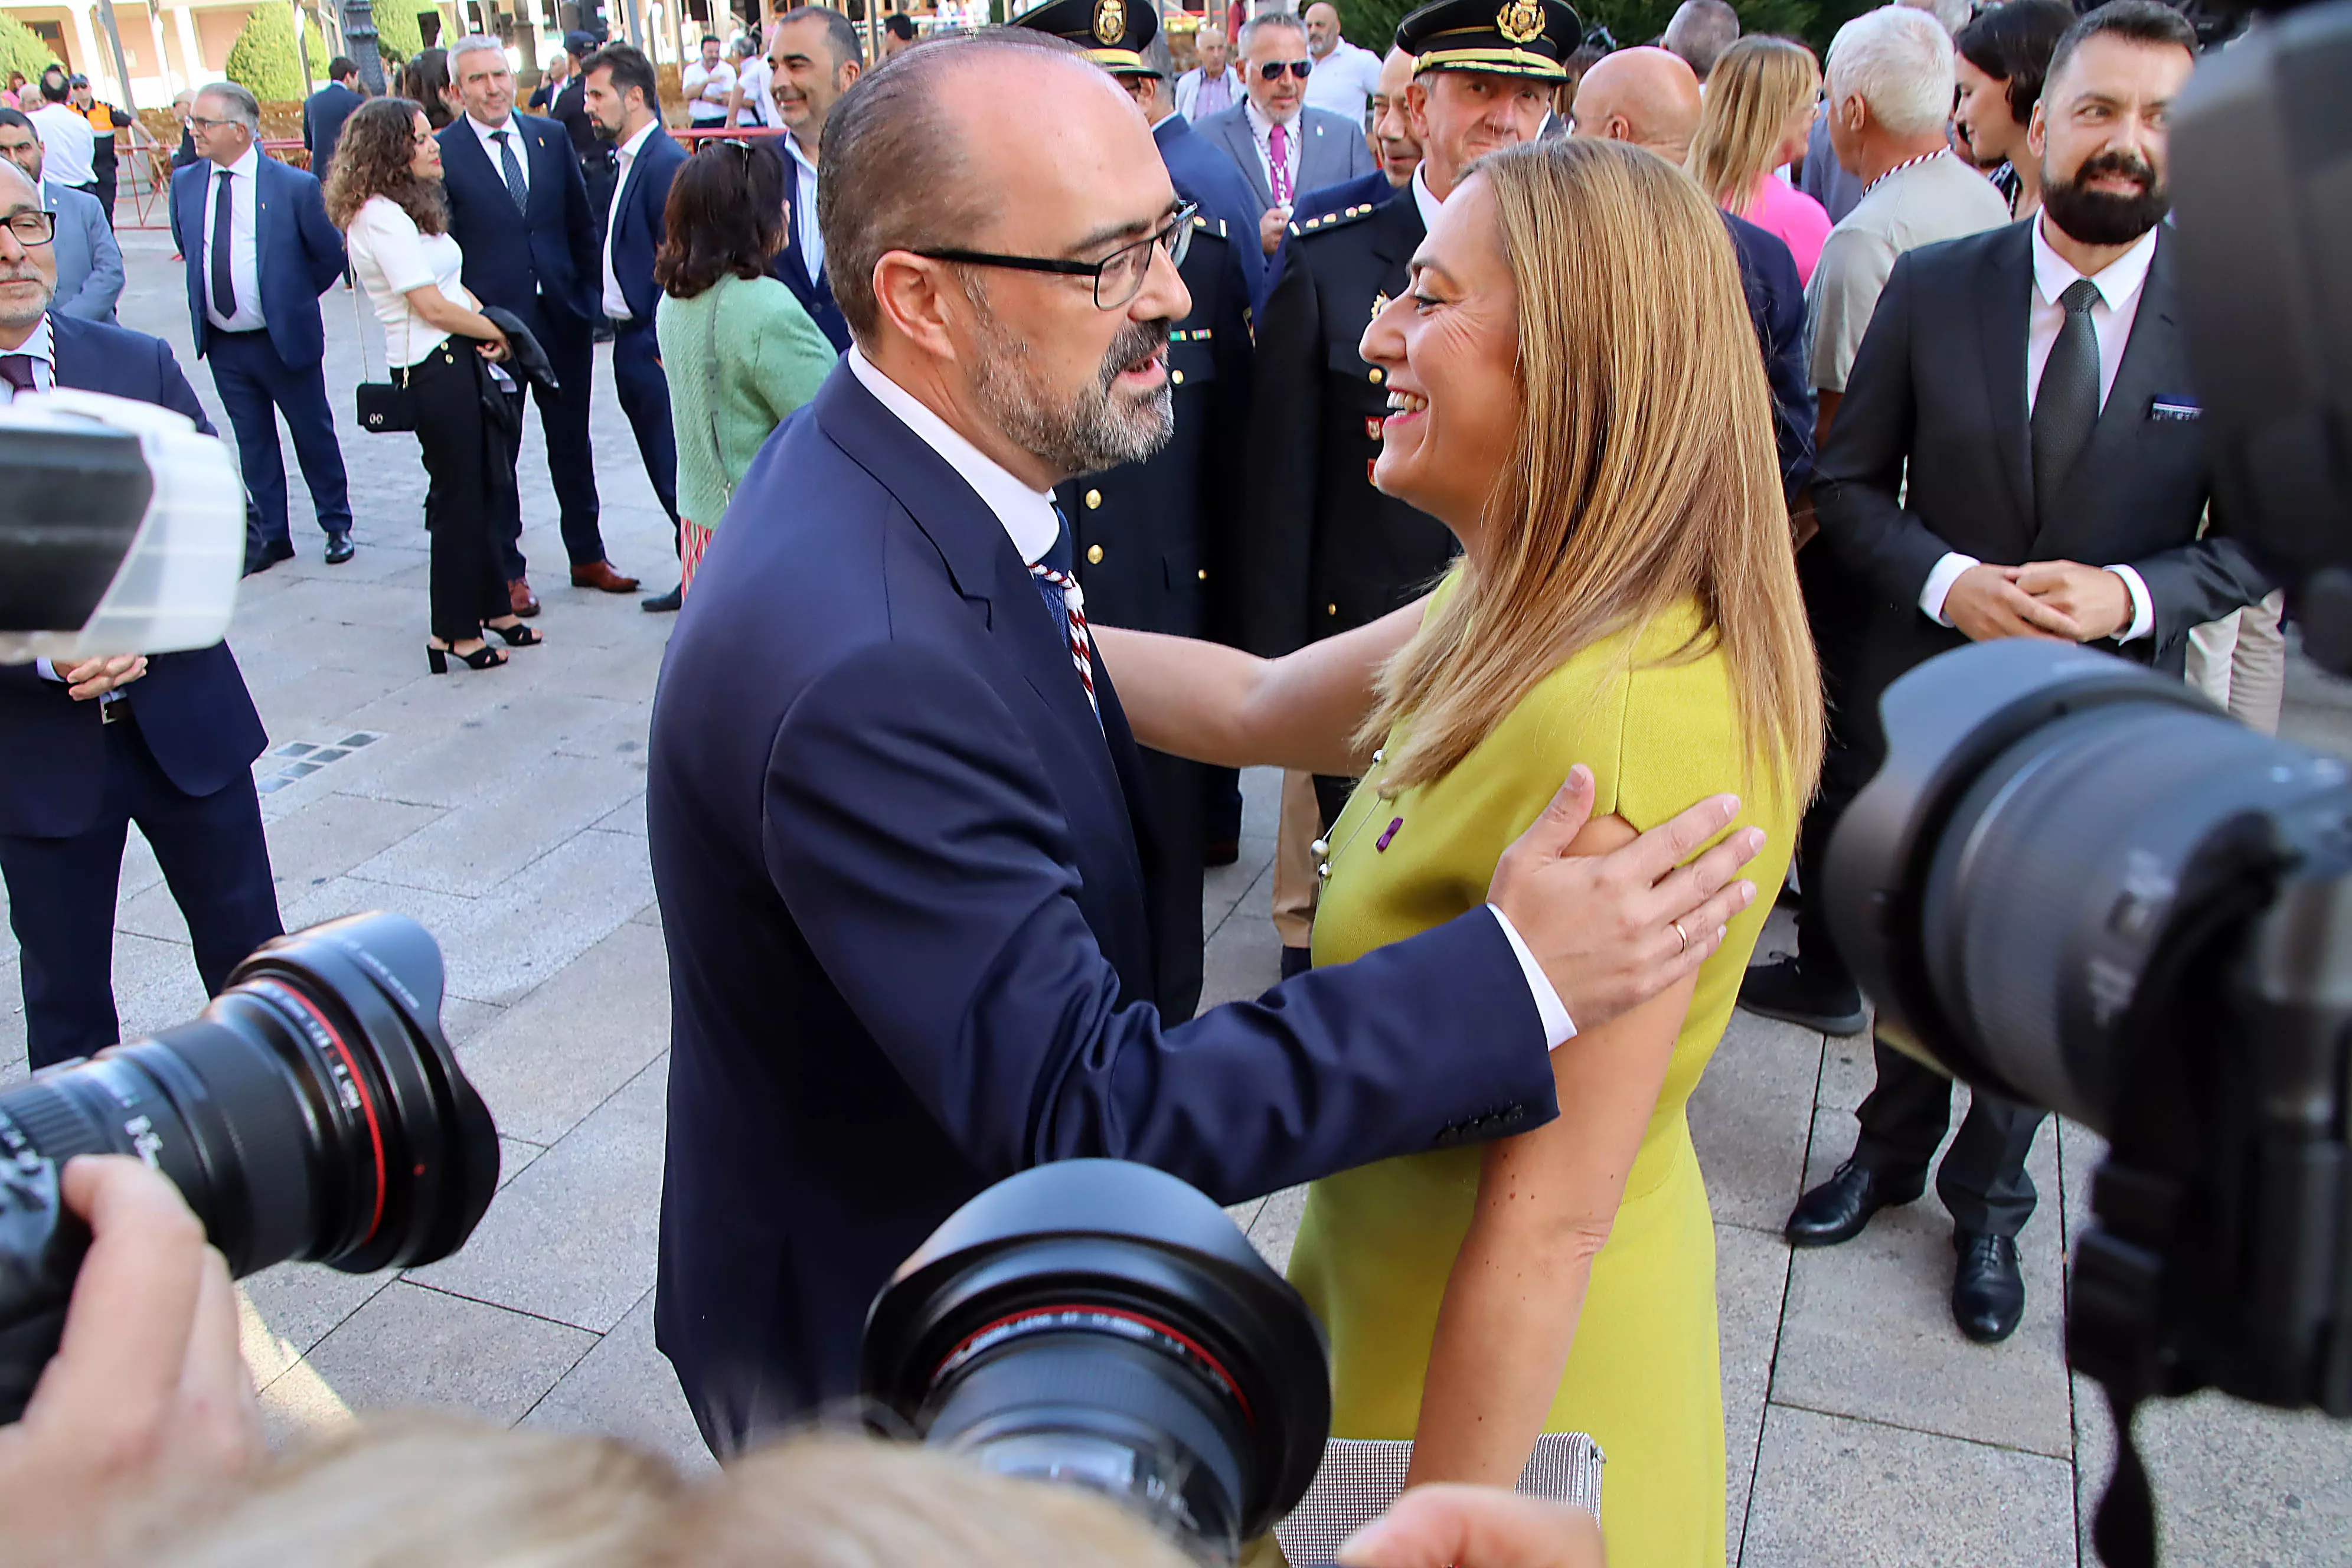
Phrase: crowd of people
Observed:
(1436, 425)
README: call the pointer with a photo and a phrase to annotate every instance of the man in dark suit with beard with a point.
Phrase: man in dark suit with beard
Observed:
(166, 742)
(894, 802)
(2017, 454)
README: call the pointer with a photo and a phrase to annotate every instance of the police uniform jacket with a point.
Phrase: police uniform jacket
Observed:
(1323, 551)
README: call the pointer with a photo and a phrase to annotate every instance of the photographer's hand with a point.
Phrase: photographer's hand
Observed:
(148, 1395)
(1612, 931)
(1475, 1526)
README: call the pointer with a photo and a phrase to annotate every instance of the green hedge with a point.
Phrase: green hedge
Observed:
(265, 61)
(21, 49)
(398, 38)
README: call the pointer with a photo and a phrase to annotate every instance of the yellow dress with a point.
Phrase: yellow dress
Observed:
(1377, 1242)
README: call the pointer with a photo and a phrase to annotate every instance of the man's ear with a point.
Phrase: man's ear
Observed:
(920, 300)
(2037, 132)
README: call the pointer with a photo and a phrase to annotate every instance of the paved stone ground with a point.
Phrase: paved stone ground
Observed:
(505, 810)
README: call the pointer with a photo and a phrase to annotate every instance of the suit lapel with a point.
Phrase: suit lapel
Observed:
(1242, 146)
(2004, 307)
(2152, 364)
(261, 183)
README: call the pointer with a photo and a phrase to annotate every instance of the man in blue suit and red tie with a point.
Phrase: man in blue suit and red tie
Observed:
(260, 251)
(623, 102)
(518, 209)
(906, 867)
(167, 740)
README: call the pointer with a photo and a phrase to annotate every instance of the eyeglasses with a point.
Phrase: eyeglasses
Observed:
(201, 123)
(1272, 70)
(31, 228)
(1118, 277)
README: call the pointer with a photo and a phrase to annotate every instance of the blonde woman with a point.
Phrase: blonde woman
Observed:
(1591, 421)
(1761, 99)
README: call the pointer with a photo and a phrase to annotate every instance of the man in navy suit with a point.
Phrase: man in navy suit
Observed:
(518, 209)
(324, 112)
(894, 802)
(812, 60)
(260, 252)
(623, 100)
(89, 752)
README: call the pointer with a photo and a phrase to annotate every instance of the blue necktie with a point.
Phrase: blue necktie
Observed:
(1052, 573)
(512, 170)
(224, 217)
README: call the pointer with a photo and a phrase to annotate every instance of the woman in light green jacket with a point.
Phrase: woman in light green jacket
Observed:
(738, 350)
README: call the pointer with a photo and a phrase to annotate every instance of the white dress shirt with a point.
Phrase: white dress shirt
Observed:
(244, 260)
(804, 229)
(706, 88)
(68, 143)
(1344, 81)
(2120, 284)
(1262, 129)
(513, 133)
(755, 80)
(1430, 202)
(1028, 519)
(41, 347)
(617, 304)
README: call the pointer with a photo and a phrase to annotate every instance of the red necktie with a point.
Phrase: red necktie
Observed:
(1278, 148)
(16, 370)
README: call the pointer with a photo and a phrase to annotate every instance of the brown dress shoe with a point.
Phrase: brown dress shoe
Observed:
(600, 574)
(519, 597)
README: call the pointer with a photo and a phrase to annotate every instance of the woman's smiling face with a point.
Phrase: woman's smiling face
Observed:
(1448, 352)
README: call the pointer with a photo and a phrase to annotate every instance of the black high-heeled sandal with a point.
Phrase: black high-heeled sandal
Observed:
(484, 658)
(516, 636)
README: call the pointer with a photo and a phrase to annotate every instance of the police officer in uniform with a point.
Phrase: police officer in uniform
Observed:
(1155, 540)
(1323, 551)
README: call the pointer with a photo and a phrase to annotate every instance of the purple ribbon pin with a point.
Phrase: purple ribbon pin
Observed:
(1383, 843)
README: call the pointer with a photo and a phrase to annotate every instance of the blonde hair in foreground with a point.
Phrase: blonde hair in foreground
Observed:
(1750, 94)
(1643, 473)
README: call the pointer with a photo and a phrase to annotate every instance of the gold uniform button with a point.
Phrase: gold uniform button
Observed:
(1331, 609)
(1177, 377)
(1375, 376)
(1094, 499)
(1204, 573)
(1094, 554)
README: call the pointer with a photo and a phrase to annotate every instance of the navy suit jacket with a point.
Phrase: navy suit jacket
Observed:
(1203, 173)
(298, 254)
(636, 234)
(552, 251)
(1775, 306)
(908, 912)
(324, 114)
(193, 710)
(791, 266)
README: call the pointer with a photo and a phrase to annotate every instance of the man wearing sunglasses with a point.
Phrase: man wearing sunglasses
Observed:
(1282, 146)
(897, 820)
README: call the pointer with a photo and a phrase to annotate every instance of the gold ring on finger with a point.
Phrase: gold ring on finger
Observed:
(1681, 936)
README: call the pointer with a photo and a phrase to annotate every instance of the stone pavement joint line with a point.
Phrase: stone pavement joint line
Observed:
(505, 810)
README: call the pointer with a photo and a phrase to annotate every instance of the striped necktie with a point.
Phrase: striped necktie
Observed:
(1068, 602)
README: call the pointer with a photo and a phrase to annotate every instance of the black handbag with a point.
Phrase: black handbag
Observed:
(388, 405)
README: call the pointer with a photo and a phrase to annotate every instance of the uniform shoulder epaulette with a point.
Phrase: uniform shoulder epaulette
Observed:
(1202, 221)
(1340, 217)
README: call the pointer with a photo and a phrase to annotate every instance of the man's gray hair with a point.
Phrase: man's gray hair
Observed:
(1898, 60)
(1269, 22)
(1701, 30)
(243, 107)
(473, 43)
(1157, 56)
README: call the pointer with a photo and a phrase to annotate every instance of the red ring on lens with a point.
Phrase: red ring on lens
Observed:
(1209, 1363)
(359, 1081)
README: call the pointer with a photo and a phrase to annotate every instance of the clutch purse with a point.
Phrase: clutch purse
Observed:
(386, 405)
(1361, 1477)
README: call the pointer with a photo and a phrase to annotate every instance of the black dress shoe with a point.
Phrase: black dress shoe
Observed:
(1788, 991)
(1838, 1209)
(660, 603)
(1221, 852)
(1988, 1292)
(1297, 961)
(268, 555)
(339, 549)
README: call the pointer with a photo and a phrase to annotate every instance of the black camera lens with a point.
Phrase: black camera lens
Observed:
(1101, 1323)
(313, 1110)
(2052, 831)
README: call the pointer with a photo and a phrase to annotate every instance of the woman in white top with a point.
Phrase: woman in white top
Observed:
(384, 192)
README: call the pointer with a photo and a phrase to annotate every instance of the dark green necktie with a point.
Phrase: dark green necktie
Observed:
(2066, 406)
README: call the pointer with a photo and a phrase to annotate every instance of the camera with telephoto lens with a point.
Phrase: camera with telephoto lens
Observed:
(313, 1110)
(2075, 883)
(1103, 1324)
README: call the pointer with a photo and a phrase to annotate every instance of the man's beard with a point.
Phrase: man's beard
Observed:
(14, 316)
(1092, 430)
(2104, 218)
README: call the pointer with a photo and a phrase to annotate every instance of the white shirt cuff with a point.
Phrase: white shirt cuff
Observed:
(2143, 621)
(1939, 583)
(46, 671)
(1558, 1027)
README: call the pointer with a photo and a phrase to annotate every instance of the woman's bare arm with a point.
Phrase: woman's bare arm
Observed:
(1222, 706)
(1546, 1202)
(436, 308)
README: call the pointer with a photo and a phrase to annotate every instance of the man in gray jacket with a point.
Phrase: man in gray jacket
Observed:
(89, 264)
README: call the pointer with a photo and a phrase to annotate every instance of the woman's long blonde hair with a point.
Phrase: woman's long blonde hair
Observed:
(1754, 89)
(1643, 474)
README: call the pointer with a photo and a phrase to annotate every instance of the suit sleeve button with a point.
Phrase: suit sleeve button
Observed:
(1094, 554)
(1331, 609)
(1375, 376)
(1204, 573)
(1177, 377)
(1094, 499)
